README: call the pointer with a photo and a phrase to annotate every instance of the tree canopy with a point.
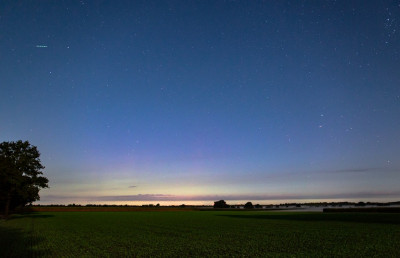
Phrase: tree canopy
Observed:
(20, 174)
(248, 205)
(220, 204)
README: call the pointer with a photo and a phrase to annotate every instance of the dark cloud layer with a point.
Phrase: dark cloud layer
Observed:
(168, 197)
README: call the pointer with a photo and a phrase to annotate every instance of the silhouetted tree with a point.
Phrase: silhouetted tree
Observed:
(220, 204)
(248, 205)
(20, 175)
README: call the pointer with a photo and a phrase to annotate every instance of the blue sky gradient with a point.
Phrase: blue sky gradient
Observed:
(205, 98)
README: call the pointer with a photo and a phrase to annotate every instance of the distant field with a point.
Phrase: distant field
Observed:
(197, 233)
(367, 209)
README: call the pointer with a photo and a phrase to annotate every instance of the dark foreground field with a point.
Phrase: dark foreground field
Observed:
(200, 233)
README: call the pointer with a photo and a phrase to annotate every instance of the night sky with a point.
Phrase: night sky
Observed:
(196, 101)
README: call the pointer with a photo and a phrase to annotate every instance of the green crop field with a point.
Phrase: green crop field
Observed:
(200, 233)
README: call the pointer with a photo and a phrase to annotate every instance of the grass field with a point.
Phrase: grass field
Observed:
(200, 233)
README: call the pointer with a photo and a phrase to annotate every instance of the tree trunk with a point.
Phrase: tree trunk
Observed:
(6, 211)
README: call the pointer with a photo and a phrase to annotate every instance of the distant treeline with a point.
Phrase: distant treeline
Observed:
(221, 204)
(115, 205)
(256, 206)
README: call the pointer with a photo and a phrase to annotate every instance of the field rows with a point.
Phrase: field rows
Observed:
(195, 233)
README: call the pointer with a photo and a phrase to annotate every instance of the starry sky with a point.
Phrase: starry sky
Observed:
(195, 101)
